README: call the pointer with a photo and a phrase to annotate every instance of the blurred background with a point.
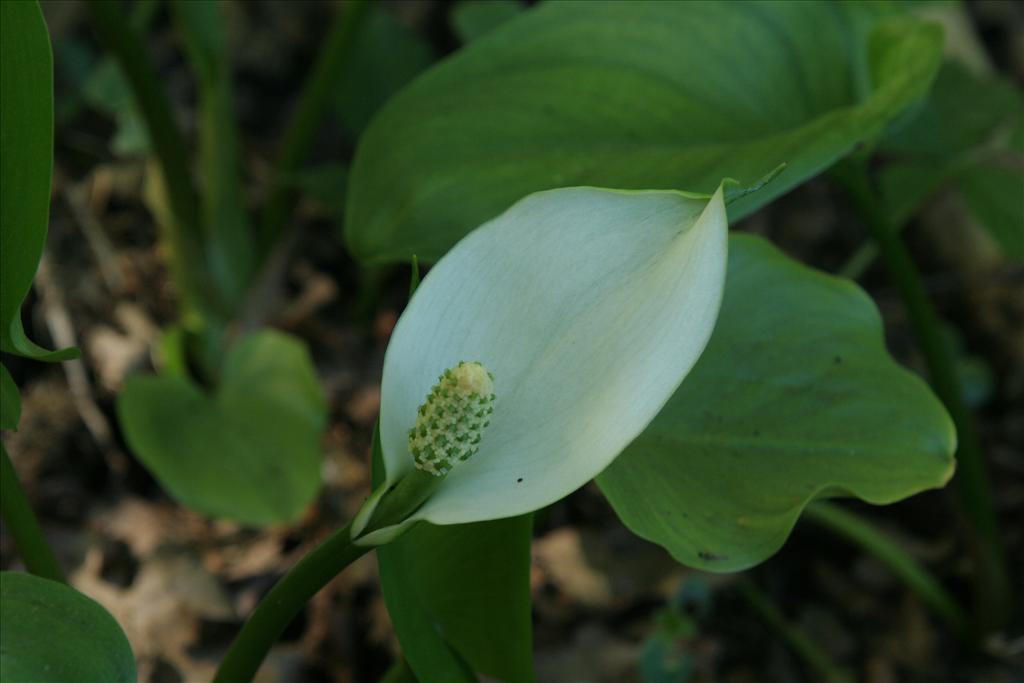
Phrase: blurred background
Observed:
(608, 607)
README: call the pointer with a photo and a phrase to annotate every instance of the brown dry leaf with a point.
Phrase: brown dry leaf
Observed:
(161, 609)
(560, 555)
(116, 352)
(146, 526)
(364, 405)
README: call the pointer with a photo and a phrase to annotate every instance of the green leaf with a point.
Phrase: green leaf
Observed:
(996, 196)
(794, 399)
(251, 452)
(459, 596)
(630, 95)
(385, 56)
(26, 137)
(51, 632)
(971, 148)
(228, 241)
(942, 126)
(10, 401)
(471, 19)
(467, 585)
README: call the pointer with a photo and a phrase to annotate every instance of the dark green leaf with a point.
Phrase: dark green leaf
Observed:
(385, 56)
(471, 19)
(996, 196)
(26, 137)
(251, 452)
(794, 399)
(10, 401)
(973, 147)
(51, 632)
(459, 597)
(942, 127)
(630, 95)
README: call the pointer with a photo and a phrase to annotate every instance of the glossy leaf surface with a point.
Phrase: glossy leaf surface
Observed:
(795, 398)
(51, 632)
(630, 95)
(26, 138)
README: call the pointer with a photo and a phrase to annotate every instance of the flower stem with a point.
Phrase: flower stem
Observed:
(992, 584)
(916, 577)
(24, 526)
(283, 602)
(313, 104)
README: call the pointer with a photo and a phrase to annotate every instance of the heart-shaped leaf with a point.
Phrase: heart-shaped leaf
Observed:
(51, 632)
(26, 137)
(251, 452)
(630, 95)
(794, 398)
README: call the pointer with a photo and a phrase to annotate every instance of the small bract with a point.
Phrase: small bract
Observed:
(588, 307)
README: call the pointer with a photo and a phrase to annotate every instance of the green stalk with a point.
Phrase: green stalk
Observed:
(24, 526)
(812, 655)
(992, 587)
(313, 104)
(284, 601)
(228, 235)
(185, 230)
(916, 577)
(384, 508)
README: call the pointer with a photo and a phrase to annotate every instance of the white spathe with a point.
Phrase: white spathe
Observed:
(589, 307)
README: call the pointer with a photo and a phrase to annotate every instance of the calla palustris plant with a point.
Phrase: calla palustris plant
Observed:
(533, 353)
(552, 336)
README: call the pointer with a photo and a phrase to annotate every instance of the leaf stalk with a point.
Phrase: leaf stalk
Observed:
(972, 482)
(22, 522)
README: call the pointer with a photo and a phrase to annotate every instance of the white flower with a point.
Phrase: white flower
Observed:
(588, 307)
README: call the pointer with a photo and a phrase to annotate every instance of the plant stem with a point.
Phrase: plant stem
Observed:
(24, 526)
(313, 104)
(228, 235)
(185, 230)
(283, 602)
(917, 578)
(992, 587)
(806, 648)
